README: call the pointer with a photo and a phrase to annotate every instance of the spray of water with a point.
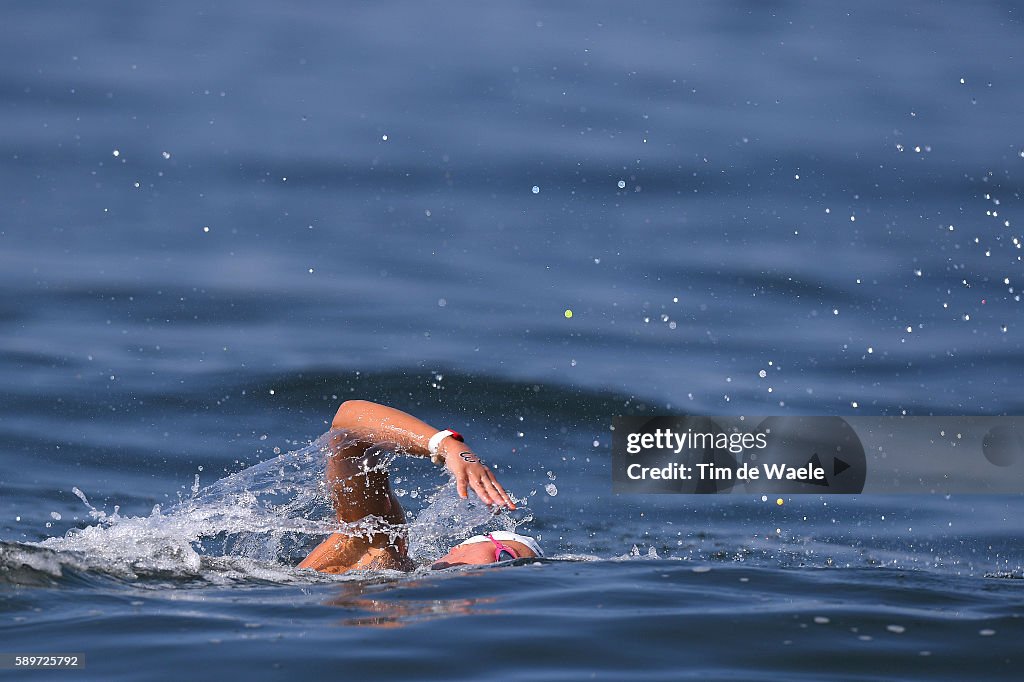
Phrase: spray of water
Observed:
(259, 522)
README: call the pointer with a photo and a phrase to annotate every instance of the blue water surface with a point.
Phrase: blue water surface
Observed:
(222, 220)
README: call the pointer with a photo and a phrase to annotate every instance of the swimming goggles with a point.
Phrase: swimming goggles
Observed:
(497, 536)
(500, 550)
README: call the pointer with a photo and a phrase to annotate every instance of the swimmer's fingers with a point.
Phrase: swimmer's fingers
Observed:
(460, 484)
(463, 479)
(490, 491)
(503, 497)
(481, 486)
(470, 472)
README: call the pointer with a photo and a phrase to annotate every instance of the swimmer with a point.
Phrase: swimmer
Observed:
(359, 489)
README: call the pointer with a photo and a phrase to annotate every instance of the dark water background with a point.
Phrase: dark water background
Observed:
(207, 243)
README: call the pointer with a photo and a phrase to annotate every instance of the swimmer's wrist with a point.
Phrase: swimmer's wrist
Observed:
(436, 445)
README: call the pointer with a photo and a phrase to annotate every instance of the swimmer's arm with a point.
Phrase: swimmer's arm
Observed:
(380, 423)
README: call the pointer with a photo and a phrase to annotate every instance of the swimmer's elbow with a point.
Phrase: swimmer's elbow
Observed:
(351, 413)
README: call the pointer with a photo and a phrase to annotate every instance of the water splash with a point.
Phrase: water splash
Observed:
(263, 518)
(449, 519)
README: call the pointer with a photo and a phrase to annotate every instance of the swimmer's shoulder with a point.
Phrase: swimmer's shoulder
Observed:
(380, 558)
(375, 559)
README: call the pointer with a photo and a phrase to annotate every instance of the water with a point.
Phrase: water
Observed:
(208, 243)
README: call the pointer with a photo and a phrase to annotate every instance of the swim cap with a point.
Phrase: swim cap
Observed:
(506, 535)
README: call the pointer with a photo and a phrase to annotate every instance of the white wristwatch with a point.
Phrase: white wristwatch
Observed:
(434, 446)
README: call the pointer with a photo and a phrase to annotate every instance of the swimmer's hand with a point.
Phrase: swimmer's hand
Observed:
(470, 472)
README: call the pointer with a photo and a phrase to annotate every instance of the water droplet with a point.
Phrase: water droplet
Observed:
(551, 489)
(536, 189)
